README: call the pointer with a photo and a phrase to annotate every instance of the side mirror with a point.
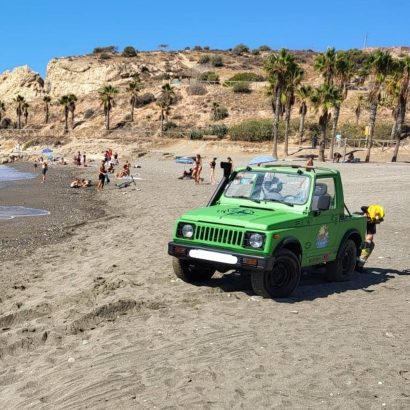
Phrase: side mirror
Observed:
(323, 203)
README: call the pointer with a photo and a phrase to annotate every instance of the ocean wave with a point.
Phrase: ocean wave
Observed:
(11, 212)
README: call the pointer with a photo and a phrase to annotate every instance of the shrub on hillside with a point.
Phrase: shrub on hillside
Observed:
(352, 131)
(240, 49)
(6, 123)
(241, 87)
(246, 76)
(216, 61)
(144, 99)
(105, 56)
(264, 48)
(209, 76)
(129, 51)
(88, 113)
(196, 89)
(197, 48)
(196, 135)
(252, 130)
(204, 59)
(219, 130)
(219, 112)
(255, 52)
(107, 49)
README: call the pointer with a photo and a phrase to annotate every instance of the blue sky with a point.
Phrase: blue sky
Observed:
(34, 31)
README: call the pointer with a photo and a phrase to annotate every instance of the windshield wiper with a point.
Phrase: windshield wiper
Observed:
(249, 199)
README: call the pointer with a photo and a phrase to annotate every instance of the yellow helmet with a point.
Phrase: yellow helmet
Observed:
(375, 213)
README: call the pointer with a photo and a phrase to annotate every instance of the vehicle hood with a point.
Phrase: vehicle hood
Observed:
(245, 217)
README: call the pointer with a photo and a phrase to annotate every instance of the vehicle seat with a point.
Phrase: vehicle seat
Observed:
(320, 190)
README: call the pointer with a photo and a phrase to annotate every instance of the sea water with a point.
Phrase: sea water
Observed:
(7, 175)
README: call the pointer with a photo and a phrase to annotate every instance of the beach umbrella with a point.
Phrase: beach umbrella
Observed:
(262, 159)
(184, 160)
(47, 151)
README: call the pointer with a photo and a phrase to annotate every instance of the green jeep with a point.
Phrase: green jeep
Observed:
(270, 221)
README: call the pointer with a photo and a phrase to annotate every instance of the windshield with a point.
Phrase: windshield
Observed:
(269, 186)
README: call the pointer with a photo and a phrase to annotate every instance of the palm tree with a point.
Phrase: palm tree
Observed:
(19, 109)
(344, 70)
(324, 98)
(325, 63)
(302, 95)
(379, 66)
(65, 102)
(164, 102)
(403, 68)
(133, 89)
(293, 79)
(390, 97)
(25, 112)
(107, 95)
(71, 107)
(46, 100)
(277, 66)
(2, 109)
(358, 109)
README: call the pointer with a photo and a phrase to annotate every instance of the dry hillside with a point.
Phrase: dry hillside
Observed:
(85, 75)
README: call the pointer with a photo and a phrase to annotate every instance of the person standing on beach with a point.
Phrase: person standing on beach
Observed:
(228, 168)
(44, 169)
(212, 165)
(101, 177)
(197, 169)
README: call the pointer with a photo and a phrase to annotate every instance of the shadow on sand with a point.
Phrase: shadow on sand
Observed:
(312, 284)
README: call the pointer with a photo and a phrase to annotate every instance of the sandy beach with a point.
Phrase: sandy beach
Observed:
(97, 319)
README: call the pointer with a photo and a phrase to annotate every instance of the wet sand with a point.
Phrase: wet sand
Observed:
(100, 320)
(67, 207)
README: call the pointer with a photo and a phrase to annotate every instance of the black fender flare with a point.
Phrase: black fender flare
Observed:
(292, 244)
(353, 234)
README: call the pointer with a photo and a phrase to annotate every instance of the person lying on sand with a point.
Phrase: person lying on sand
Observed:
(186, 174)
(80, 183)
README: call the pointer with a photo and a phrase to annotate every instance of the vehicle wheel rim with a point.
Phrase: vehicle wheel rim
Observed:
(280, 276)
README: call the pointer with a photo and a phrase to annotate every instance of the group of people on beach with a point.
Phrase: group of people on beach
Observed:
(80, 159)
(195, 172)
(108, 165)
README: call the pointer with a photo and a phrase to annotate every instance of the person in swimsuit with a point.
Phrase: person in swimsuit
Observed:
(44, 169)
(101, 177)
(198, 168)
(212, 165)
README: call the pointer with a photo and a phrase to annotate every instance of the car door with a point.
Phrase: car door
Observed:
(322, 225)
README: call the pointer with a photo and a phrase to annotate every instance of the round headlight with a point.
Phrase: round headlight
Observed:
(256, 240)
(187, 231)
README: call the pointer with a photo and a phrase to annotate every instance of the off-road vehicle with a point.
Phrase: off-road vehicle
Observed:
(270, 221)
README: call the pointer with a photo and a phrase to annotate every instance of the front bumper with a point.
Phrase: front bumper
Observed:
(243, 261)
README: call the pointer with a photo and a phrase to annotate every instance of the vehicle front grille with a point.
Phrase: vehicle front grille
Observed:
(218, 235)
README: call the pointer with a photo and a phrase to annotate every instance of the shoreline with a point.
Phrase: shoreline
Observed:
(67, 208)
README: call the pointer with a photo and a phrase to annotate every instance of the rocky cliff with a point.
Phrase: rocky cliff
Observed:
(22, 80)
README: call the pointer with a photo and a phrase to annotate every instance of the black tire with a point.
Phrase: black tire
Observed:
(190, 272)
(282, 280)
(343, 267)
